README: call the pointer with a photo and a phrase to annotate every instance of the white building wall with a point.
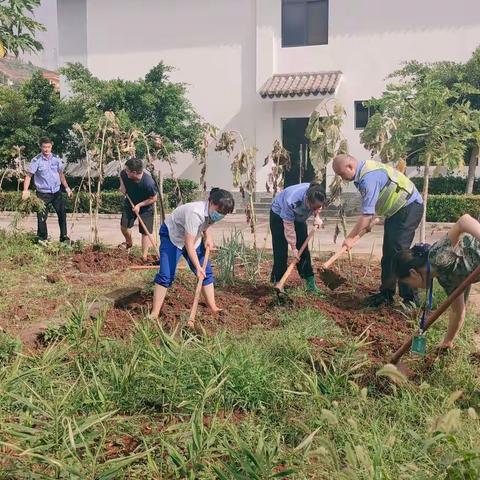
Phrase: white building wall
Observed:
(369, 39)
(226, 49)
(210, 44)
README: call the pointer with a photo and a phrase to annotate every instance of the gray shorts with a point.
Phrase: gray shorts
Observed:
(128, 220)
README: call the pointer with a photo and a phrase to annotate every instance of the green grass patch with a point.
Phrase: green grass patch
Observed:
(293, 402)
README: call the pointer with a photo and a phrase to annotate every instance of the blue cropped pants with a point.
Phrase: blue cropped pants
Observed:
(170, 255)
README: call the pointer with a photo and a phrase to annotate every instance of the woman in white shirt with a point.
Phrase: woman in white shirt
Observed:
(181, 234)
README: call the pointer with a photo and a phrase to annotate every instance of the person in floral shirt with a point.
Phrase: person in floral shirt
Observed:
(450, 261)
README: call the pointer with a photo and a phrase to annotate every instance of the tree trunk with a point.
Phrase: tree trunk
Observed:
(426, 177)
(159, 181)
(90, 198)
(471, 170)
(98, 199)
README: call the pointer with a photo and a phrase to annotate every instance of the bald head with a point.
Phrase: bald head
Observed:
(344, 166)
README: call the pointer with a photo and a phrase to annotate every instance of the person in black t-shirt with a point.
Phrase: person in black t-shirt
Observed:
(139, 185)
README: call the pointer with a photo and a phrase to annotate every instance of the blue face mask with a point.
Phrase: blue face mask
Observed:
(216, 216)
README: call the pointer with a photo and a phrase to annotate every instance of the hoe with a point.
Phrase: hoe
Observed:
(332, 279)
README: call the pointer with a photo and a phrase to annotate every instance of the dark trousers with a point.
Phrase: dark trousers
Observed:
(280, 249)
(57, 201)
(398, 235)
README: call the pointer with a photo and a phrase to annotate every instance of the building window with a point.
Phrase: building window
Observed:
(362, 114)
(304, 22)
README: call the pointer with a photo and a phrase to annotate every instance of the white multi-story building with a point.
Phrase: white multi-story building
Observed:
(262, 66)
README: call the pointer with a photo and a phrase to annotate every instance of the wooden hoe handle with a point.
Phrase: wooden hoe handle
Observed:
(337, 255)
(193, 311)
(149, 235)
(437, 313)
(281, 283)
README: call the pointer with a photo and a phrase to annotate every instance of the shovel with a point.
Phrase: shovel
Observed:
(332, 279)
(149, 235)
(473, 277)
(279, 287)
(193, 311)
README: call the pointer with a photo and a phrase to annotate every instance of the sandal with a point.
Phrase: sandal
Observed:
(125, 245)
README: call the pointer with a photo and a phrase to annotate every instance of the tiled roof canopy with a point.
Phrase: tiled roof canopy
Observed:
(300, 84)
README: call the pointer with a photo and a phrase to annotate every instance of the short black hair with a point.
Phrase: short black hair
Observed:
(315, 193)
(413, 258)
(222, 199)
(43, 140)
(134, 164)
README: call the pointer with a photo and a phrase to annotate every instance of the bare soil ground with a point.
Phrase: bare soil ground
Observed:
(246, 304)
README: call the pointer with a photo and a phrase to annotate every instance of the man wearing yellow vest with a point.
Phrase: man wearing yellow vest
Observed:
(385, 192)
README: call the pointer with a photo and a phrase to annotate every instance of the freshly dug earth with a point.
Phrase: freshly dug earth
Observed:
(247, 305)
(92, 260)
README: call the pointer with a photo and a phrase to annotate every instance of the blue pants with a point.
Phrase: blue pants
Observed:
(170, 255)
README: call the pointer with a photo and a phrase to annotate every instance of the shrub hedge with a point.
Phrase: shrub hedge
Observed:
(189, 188)
(440, 208)
(449, 185)
(111, 201)
(449, 208)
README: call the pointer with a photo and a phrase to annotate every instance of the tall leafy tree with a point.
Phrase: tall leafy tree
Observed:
(153, 104)
(51, 115)
(18, 27)
(32, 111)
(462, 78)
(426, 118)
(16, 124)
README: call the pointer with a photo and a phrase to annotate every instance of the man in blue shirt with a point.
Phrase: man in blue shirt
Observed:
(48, 176)
(385, 192)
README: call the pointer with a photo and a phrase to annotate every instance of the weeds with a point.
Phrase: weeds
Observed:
(8, 348)
(234, 257)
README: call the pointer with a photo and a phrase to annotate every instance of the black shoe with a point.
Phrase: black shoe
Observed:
(377, 300)
(65, 240)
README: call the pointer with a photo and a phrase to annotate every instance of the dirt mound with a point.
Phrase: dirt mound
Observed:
(247, 305)
(94, 260)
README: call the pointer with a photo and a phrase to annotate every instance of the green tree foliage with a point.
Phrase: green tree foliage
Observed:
(153, 105)
(16, 123)
(18, 27)
(426, 116)
(27, 113)
(463, 79)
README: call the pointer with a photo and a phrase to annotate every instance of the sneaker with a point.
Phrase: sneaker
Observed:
(377, 300)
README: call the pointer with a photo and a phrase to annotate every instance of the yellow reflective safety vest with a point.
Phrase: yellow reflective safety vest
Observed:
(396, 192)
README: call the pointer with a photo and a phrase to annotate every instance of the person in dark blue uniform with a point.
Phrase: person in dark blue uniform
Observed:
(290, 211)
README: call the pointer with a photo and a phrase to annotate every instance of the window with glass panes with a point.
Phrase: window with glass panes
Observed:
(304, 22)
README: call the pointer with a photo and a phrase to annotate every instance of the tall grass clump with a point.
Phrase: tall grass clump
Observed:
(235, 260)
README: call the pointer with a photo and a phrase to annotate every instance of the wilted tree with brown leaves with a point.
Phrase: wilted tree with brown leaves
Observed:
(280, 159)
(243, 172)
(209, 136)
(324, 132)
(99, 139)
